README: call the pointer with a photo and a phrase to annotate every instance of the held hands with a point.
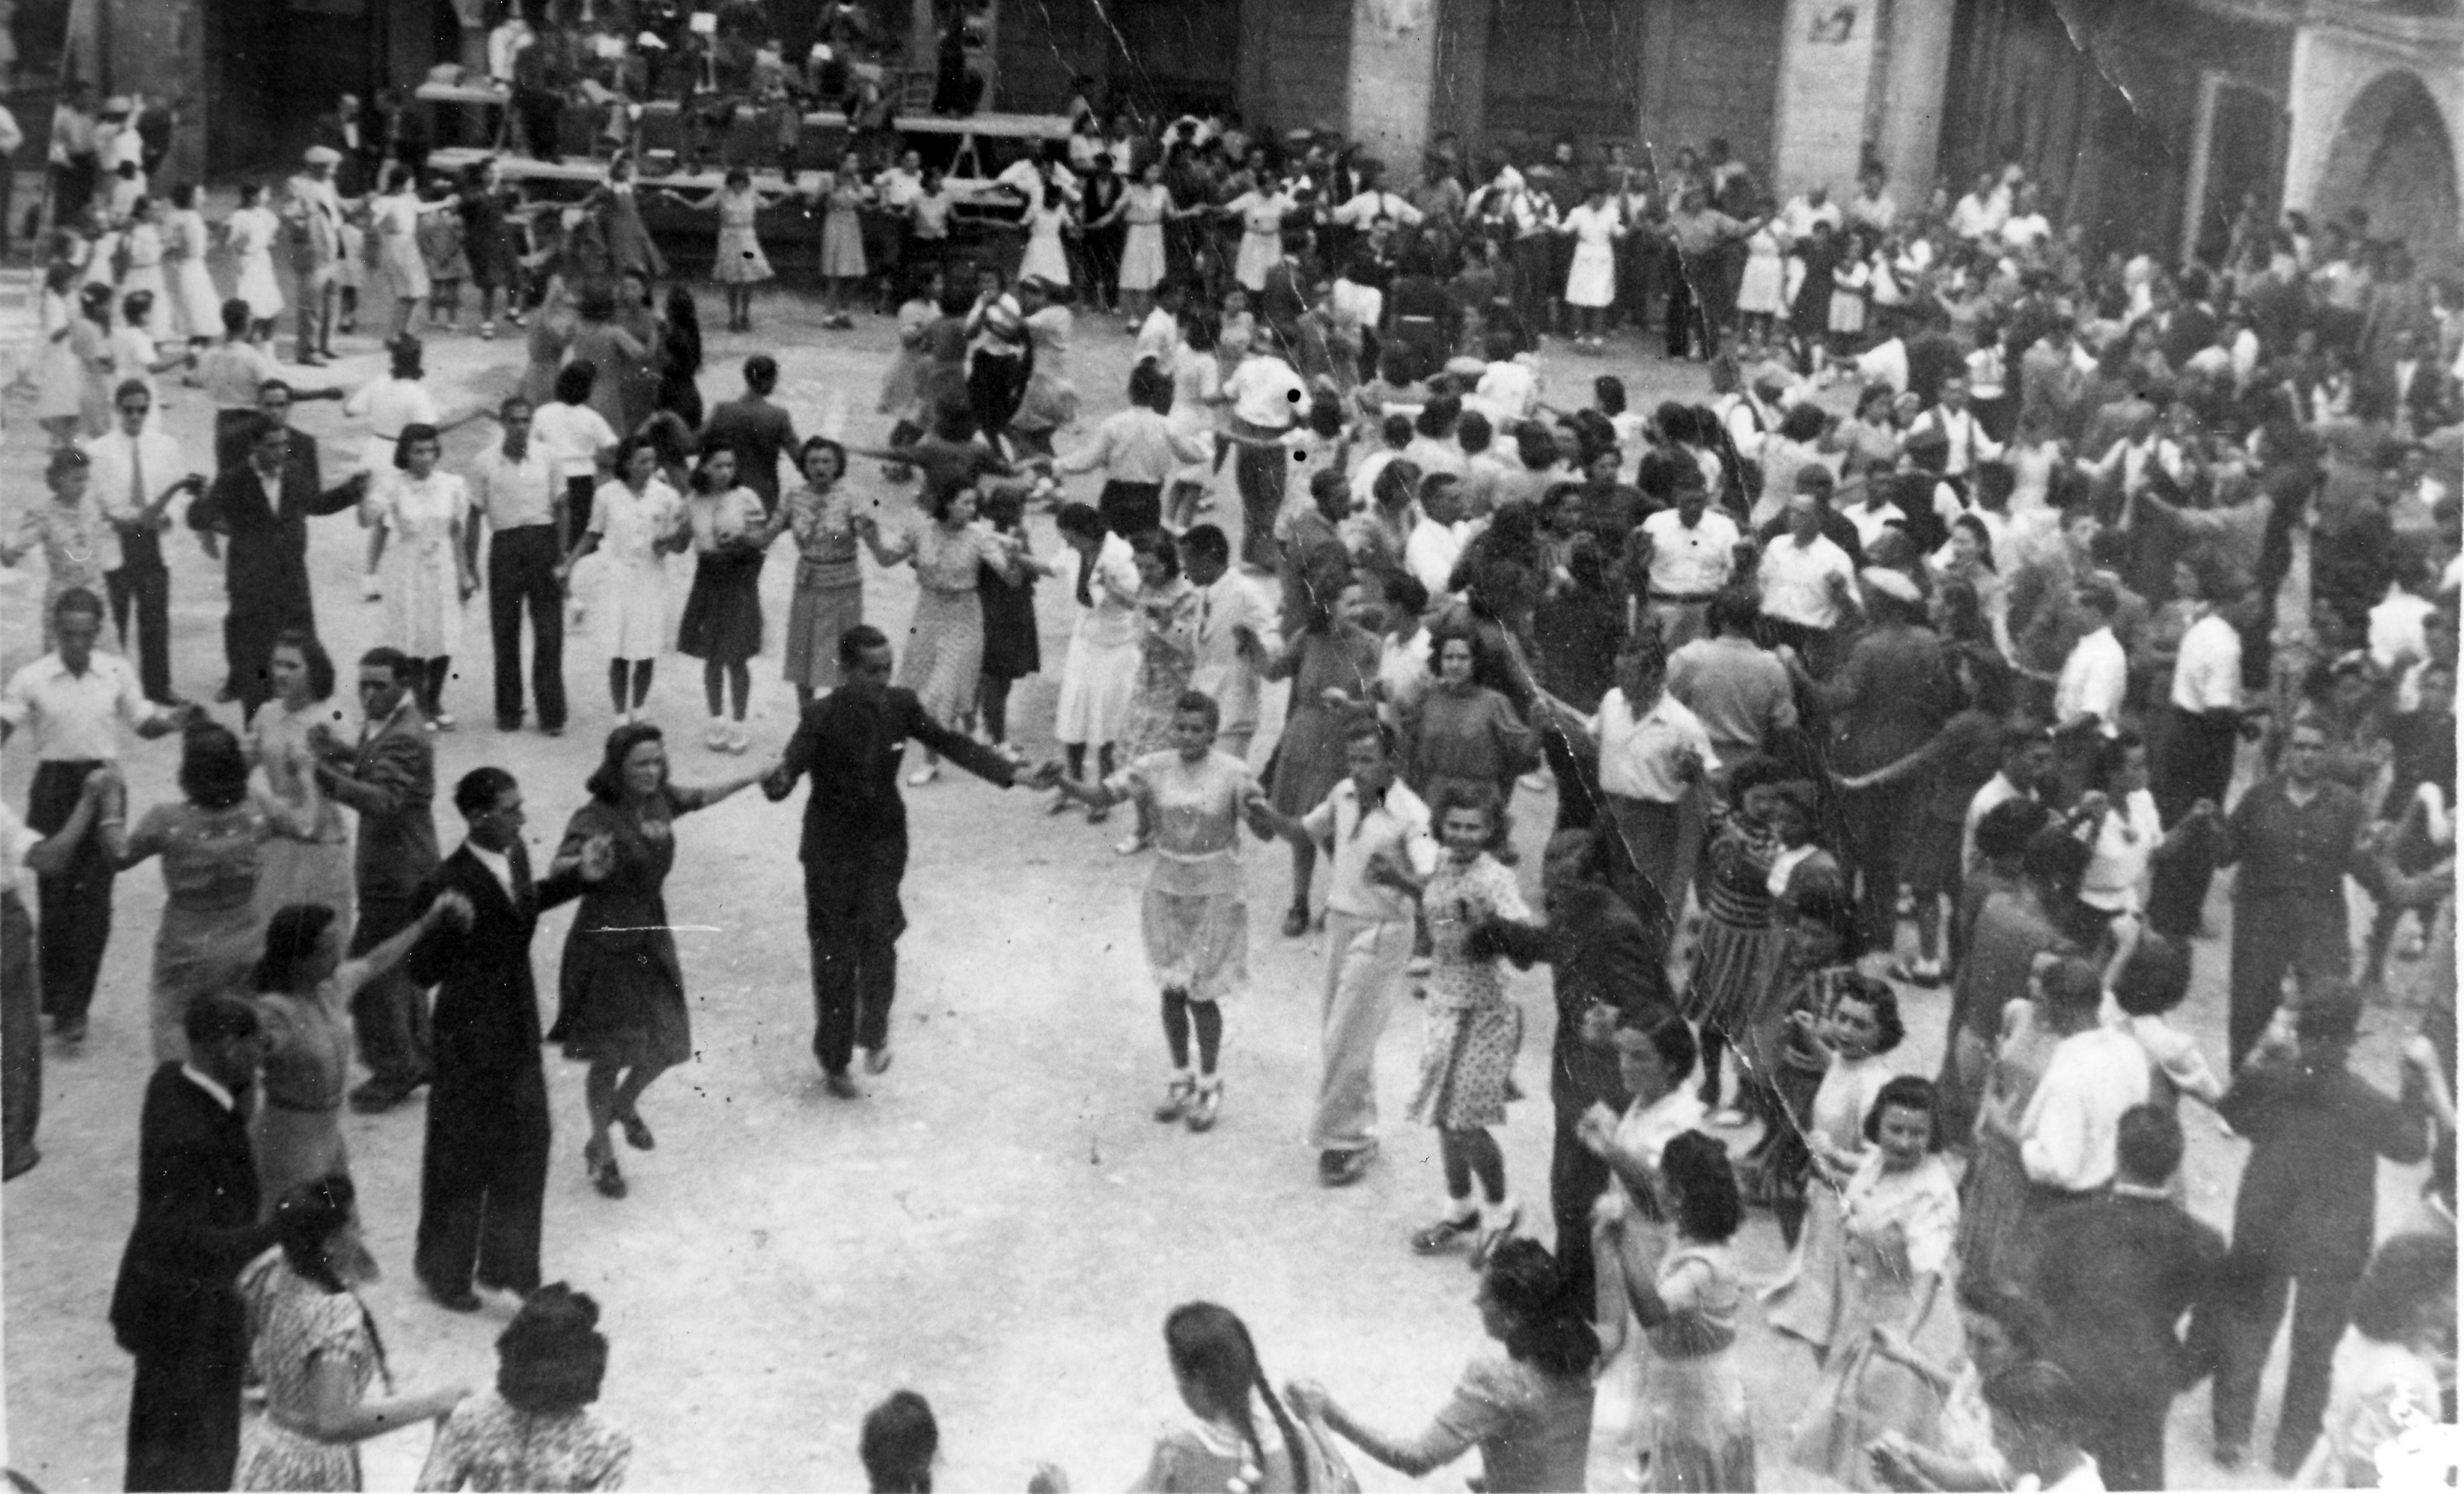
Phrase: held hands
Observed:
(322, 741)
(1307, 1397)
(1599, 1024)
(1044, 775)
(1597, 1128)
(450, 907)
(1335, 698)
(593, 860)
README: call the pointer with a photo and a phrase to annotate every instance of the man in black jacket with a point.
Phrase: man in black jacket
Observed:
(177, 1305)
(2116, 1274)
(485, 1171)
(1608, 964)
(262, 506)
(854, 846)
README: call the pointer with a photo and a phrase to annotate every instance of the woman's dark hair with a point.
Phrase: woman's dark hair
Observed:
(313, 655)
(626, 449)
(2155, 977)
(596, 301)
(1157, 543)
(213, 769)
(2021, 1320)
(940, 498)
(1210, 1344)
(761, 373)
(411, 436)
(1702, 1185)
(702, 464)
(804, 453)
(1669, 1037)
(574, 382)
(2054, 859)
(1802, 423)
(1907, 1092)
(552, 1357)
(1547, 1332)
(667, 434)
(1608, 392)
(1984, 538)
(1455, 631)
(1963, 621)
(291, 936)
(1150, 388)
(1890, 1031)
(2409, 1271)
(607, 782)
(899, 1443)
(2007, 830)
(1080, 519)
(2040, 1398)
(1461, 794)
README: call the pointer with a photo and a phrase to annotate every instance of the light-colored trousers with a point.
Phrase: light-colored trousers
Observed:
(1364, 969)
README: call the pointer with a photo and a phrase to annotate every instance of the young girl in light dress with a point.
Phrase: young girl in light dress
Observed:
(1472, 1031)
(186, 241)
(1850, 285)
(844, 194)
(143, 246)
(1853, 1031)
(1762, 295)
(738, 263)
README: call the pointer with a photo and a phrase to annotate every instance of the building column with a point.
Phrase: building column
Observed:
(1916, 71)
(1827, 80)
(1394, 82)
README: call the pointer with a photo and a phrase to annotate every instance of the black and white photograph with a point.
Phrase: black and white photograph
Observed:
(1229, 746)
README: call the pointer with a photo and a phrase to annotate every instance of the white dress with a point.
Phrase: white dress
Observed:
(145, 254)
(251, 233)
(1142, 261)
(1591, 279)
(423, 598)
(1762, 291)
(1101, 675)
(1262, 237)
(631, 606)
(1045, 257)
(192, 284)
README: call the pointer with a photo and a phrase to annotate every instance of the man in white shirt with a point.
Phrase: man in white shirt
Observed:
(2098, 670)
(136, 474)
(1806, 209)
(1874, 207)
(1236, 636)
(1982, 211)
(1687, 554)
(1267, 398)
(1653, 760)
(73, 702)
(2027, 765)
(2124, 835)
(1808, 585)
(519, 487)
(1371, 828)
(1437, 537)
(2203, 728)
(1967, 437)
(2094, 1074)
(2027, 228)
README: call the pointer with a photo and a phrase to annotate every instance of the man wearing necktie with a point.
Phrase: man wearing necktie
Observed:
(137, 473)
(484, 1174)
(262, 506)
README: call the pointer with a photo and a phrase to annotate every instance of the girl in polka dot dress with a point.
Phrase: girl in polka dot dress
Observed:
(1472, 1030)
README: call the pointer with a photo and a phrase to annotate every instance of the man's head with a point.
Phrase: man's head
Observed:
(1368, 756)
(385, 679)
(273, 400)
(491, 805)
(761, 374)
(1805, 513)
(865, 660)
(1692, 498)
(134, 402)
(225, 1040)
(77, 621)
(2305, 751)
(1205, 555)
(2148, 1146)
(514, 416)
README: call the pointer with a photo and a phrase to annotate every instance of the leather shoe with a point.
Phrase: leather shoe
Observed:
(1343, 1168)
(520, 1292)
(460, 1298)
(840, 1085)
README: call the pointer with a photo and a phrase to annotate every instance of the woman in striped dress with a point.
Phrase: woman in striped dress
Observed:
(945, 643)
(1739, 956)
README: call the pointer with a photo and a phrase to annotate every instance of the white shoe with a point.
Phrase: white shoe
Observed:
(713, 737)
(737, 740)
(924, 775)
(370, 590)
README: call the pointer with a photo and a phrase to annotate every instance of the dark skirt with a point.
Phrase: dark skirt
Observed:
(1129, 509)
(1011, 648)
(1930, 863)
(722, 621)
(620, 1000)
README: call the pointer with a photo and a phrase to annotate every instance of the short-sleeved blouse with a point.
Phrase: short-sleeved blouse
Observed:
(1195, 811)
(823, 524)
(489, 1444)
(210, 857)
(630, 525)
(1914, 1212)
(948, 560)
(1533, 1430)
(293, 1324)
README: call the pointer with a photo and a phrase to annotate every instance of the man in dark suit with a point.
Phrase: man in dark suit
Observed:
(486, 1167)
(390, 778)
(262, 506)
(1608, 964)
(177, 1306)
(2118, 1273)
(854, 846)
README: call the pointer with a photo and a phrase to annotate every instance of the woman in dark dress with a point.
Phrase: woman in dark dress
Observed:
(1012, 650)
(679, 358)
(621, 997)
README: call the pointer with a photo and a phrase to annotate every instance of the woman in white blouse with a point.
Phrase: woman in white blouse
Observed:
(636, 521)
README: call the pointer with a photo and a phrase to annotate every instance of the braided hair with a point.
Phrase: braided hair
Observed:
(1211, 1345)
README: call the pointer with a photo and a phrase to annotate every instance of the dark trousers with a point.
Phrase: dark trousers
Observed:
(74, 903)
(147, 591)
(2273, 933)
(2128, 1442)
(856, 976)
(1576, 1179)
(183, 1416)
(482, 1179)
(1129, 509)
(521, 573)
(1260, 472)
(1879, 820)
(2195, 760)
(995, 384)
(389, 1014)
(2320, 1312)
(21, 1039)
(1694, 301)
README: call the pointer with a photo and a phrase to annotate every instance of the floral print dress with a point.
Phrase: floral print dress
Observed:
(1471, 1032)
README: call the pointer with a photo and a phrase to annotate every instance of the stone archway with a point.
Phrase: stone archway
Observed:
(2393, 154)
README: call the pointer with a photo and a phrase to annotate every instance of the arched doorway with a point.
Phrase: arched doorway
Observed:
(2393, 155)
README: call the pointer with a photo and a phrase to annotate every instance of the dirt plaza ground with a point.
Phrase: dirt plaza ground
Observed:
(998, 1224)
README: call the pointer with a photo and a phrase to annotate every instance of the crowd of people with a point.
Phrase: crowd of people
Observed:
(1964, 599)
